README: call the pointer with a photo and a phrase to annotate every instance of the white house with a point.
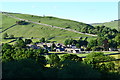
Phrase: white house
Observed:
(73, 50)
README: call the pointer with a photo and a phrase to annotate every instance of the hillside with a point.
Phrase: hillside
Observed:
(112, 24)
(64, 23)
(37, 31)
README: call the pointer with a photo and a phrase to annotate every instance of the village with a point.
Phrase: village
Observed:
(59, 47)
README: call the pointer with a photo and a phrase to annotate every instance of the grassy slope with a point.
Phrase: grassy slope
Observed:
(40, 31)
(7, 22)
(0, 21)
(53, 21)
(112, 24)
(0, 26)
(37, 31)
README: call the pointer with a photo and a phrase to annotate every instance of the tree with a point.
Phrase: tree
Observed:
(71, 57)
(20, 43)
(5, 35)
(100, 41)
(53, 46)
(7, 51)
(117, 39)
(6, 46)
(80, 42)
(22, 22)
(22, 69)
(28, 41)
(97, 27)
(54, 60)
(85, 43)
(45, 51)
(96, 60)
(102, 27)
(84, 30)
(41, 60)
(11, 37)
(85, 38)
(114, 30)
(92, 43)
(42, 40)
(80, 38)
(112, 44)
(77, 70)
(100, 34)
(38, 52)
(68, 42)
(78, 45)
(74, 42)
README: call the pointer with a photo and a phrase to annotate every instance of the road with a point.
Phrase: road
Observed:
(47, 25)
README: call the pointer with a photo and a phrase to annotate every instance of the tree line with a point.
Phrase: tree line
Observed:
(100, 43)
(99, 30)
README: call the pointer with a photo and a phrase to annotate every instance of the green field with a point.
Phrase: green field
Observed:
(52, 21)
(39, 31)
(112, 24)
(117, 56)
(7, 22)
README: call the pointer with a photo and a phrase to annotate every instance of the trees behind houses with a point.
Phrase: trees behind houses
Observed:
(78, 43)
